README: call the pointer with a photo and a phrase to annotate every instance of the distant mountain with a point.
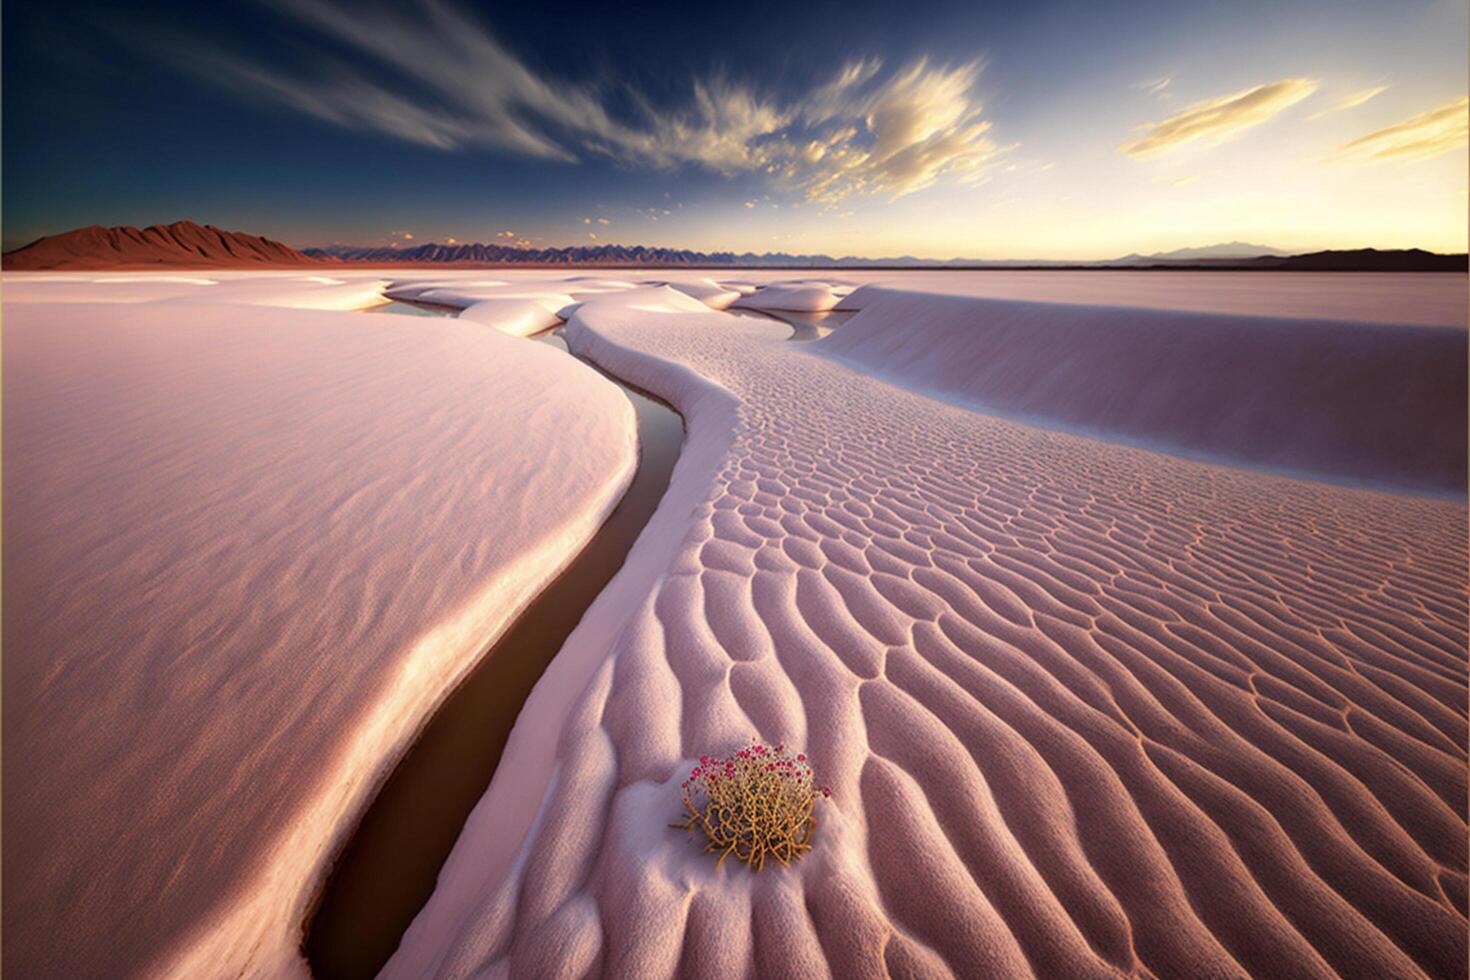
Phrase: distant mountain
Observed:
(182, 244)
(1368, 260)
(600, 255)
(1232, 255)
(185, 244)
(1225, 250)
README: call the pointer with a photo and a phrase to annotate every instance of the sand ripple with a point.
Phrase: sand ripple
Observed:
(1086, 710)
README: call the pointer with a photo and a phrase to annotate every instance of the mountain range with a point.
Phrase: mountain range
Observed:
(636, 255)
(185, 244)
(1234, 255)
(1226, 250)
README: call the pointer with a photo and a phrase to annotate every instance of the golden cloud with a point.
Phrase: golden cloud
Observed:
(1351, 101)
(1425, 135)
(1218, 119)
(1358, 98)
(867, 130)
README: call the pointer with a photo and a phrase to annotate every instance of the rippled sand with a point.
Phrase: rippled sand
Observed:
(1086, 710)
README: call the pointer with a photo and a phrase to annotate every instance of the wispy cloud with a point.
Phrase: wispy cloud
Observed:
(1154, 87)
(892, 135)
(1219, 119)
(1351, 101)
(1358, 98)
(1425, 135)
(441, 79)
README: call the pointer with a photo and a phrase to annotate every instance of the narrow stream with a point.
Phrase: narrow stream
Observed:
(412, 309)
(388, 869)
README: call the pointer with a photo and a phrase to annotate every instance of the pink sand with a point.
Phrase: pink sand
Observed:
(1086, 709)
(246, 552)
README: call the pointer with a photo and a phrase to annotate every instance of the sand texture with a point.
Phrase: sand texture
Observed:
(247, 550)
(1085, 709)
(1377, 403)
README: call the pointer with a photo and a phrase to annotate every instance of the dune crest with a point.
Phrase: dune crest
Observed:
(1346, 401)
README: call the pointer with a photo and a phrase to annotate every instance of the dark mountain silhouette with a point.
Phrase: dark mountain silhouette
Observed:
(1367, 260)
(185, 244)
(603, 255)
(1209, 257)
(181, 244)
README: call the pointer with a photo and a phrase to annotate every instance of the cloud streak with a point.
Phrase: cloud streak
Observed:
(1358, 98)
(440, 79)
(1218, 120)
(1350, 101)
(1428, 134)
(1154, 87)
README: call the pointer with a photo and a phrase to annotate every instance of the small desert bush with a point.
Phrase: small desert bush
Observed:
(756, 804)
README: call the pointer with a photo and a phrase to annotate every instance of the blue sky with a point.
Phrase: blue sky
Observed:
(1049, 130)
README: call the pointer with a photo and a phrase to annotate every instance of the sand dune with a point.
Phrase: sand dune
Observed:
(297, 290)
(708, 292)
(247, 549)
(1430, 299)
(798, 297)
(1086, 710)
(518, 317)
(1378, 403)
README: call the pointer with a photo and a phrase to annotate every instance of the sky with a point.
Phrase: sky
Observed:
(1049, 130)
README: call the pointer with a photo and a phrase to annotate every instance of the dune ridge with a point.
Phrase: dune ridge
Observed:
(1086, 710)
(1378, 403)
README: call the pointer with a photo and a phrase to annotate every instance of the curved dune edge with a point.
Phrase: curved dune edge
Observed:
(1378, 404)
(1086, 710)
(259, 546)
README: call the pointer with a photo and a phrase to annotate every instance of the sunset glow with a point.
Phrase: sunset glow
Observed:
(1065, 131)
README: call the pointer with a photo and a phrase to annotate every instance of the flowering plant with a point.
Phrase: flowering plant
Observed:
(756, 804)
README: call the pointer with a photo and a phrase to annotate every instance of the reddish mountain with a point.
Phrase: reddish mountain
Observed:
(182, 244)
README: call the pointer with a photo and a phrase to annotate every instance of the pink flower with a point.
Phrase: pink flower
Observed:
(800, 757)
